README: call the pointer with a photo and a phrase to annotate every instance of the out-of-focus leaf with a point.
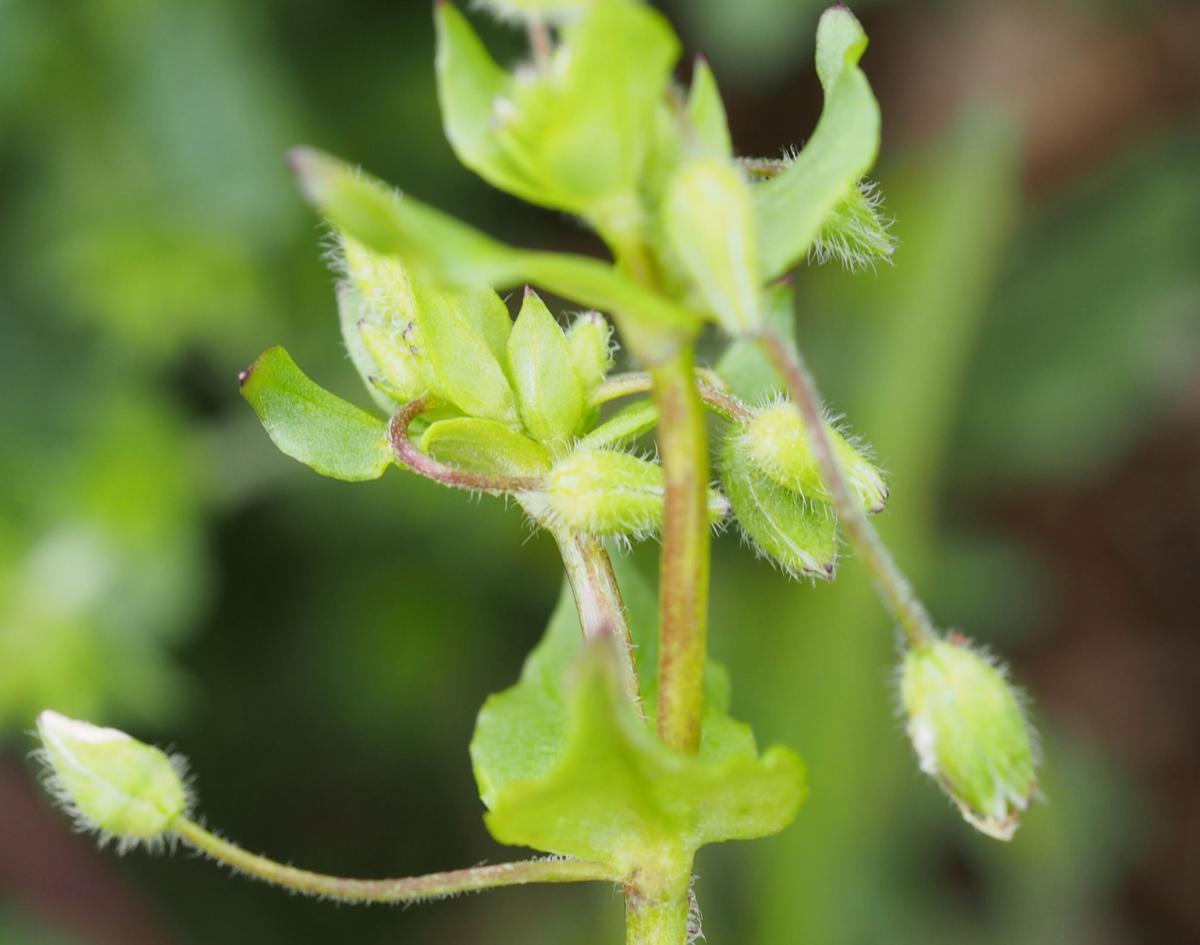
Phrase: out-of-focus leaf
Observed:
(707, 113)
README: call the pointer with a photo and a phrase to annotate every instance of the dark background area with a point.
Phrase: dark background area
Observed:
(1028, 372)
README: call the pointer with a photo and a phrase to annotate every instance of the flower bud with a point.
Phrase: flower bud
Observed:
(570, 131)
(856, 233)
(114, 785)
(549, 394)
(775, 443)
(709, 223)
(966, 724)
(608, 492)
(591, 344)
(799, 535)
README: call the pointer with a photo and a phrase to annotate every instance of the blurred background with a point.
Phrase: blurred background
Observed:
(1028, 371)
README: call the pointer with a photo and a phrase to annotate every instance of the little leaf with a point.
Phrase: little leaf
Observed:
(555, 742)
(484, 446)
(707, 113)
(312, 425)
(548, 389)
(623, 427)
(618, 795)
(455, 253)
(744, 366)
(798, 534)
(793, 206)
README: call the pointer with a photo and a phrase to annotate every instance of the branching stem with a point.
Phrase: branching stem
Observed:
(408, 889)
(640, 382)
(425, 465)
(897, 593)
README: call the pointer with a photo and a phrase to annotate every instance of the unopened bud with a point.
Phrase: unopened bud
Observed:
(775, 442)
(121, 788)
(549, 395)
(608, 492)
(590, 341)
(709, 221)
(970, 734)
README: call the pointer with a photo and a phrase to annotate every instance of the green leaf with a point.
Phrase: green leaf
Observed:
(312, 425)
(794, 205)
(580, 123)
(797, 534)
(484, 446)
(707, 113)
(709, 222)
(624, 427)
(565, 765)
(539, 359)
(618, 795)
(469, 83)
(453, 252)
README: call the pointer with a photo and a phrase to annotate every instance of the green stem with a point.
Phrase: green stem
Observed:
(598, 599)
(684, 572)
(638, 382)
(409, 889)
(893, 587)
(662, 921)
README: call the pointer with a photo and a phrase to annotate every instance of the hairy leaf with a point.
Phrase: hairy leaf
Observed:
(794, 205)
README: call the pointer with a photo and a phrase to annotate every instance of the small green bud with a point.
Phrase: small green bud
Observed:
(549, 393)
(569, 132)
(966, 724)
(608, 492)
(591, 343)
(856, 233)
(121, 788)
(484, 446)
(797, 534)
(776, 444)
(710, 225)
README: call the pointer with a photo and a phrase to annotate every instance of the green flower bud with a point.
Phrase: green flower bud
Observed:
(591, 343)
(856, 232)
(966, 724)
(709, 222)
(415, 337)
(121, 788)
(776, 444)
(549, 393)
(607, 492)
(570, 132)
(799, 535)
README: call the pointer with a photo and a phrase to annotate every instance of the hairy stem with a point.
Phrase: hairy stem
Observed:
(683, 577)
(897, 593)
(639, 382)
(425, 465)
(661, 921)
(409, 889)
(598, 599)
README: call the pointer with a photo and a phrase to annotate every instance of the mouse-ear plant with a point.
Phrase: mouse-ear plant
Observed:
(614, 754)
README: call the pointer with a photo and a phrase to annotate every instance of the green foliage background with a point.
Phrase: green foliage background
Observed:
(1026, 372)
